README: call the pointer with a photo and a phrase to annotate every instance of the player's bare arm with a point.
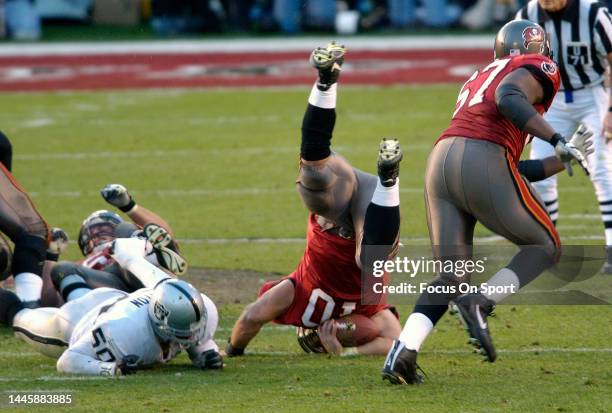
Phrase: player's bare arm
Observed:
(118, 196)
(384, 322)
(269, 306)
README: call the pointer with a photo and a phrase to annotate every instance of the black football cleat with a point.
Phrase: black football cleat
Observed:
(400, 365)
(473, 310)
(328, 61)
(309, 340)
(389, 156)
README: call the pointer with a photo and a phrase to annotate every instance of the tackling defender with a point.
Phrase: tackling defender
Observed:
(472, 175)
(349, 209)
(100, 228)
(109, 332)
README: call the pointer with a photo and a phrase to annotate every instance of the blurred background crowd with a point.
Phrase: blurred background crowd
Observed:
(25, 19)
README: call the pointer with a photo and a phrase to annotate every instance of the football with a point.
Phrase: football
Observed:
(356, 330)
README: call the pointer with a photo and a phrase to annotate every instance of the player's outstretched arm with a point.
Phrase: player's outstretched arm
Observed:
(515, 96)
(118, 196)
(538, 169)
(76, 363)
(130, 254)
(205, 354)
(272, 304)
(80, 358)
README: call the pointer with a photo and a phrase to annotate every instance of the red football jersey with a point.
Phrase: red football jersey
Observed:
(476, 115)
(329, 263)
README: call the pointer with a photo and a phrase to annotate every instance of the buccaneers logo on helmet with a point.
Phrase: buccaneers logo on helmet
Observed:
(533, 34)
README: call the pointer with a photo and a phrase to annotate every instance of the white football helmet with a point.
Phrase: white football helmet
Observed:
(177, 312)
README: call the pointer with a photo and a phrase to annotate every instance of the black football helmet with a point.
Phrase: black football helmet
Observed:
(96, 229)
(521, 37)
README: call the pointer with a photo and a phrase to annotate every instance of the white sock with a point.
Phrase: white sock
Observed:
(415, 331)
(387, 196)
(508, 282)
(324, 99)
(28, 286)
(608, 233)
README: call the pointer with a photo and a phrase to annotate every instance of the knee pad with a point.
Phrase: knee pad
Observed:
(29, 255)
(316, 178)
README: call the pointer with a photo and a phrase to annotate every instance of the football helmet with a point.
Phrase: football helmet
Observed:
(96, 229)
(177, 312)
(521, 37)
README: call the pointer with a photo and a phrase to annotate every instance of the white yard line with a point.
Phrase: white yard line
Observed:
(258, 150)
(275, 44)
(467, 351)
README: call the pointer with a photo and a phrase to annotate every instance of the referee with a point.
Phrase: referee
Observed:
(580, 33)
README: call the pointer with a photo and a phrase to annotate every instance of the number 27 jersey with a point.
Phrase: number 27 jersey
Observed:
(476, 115)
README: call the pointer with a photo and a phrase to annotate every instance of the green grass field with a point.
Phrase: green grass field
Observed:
(219, 165)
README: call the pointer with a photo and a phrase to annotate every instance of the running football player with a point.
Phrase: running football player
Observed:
(109, 332)
(350, 210)
(472, 175)
(100, 228)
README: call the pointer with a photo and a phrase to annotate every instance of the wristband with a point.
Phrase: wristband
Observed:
(128, 207)
(609, 108)
(555, 139)
(232, 351)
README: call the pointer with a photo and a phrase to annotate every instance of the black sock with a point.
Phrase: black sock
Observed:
(317, 129)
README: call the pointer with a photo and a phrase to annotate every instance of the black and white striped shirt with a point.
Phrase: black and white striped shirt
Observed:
(580, 37)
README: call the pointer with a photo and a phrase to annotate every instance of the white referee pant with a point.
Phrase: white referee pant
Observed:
(589, 107)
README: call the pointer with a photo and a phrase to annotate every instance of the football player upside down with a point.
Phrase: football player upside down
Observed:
(349, 211)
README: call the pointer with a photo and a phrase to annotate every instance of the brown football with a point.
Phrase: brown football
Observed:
(355, 330)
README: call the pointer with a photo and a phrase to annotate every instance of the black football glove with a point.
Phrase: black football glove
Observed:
(208, 360)
(128, 365)
(118, 195)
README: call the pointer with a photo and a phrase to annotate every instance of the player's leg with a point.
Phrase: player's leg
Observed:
(451, 230)
(72, 280)
(505, 203)
(376, 207)
(46, 329)
(593, 114)
(270, 305)
(561, 120)
(326, 180)
(22, 223)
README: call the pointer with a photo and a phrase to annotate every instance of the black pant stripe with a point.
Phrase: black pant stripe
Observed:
(40, 339)
(71, 287)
